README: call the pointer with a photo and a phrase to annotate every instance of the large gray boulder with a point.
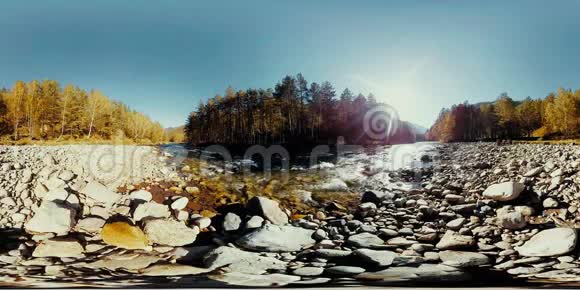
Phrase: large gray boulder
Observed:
(552, 242)
(240, 261)
(504, 191)
(275, 238)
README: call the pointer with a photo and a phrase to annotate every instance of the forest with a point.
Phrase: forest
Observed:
(557, 116)
(293, 112)
(42, 110)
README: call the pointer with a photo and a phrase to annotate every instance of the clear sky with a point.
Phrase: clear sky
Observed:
(161, 57)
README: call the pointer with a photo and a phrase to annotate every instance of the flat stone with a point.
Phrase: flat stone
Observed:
(151, 210)
(365, 240)
(456, 224)
(100, 193)
(504, 191)
(124, 261)
(249, 280)
(141, 194)
(90, 225)
(164, 270)
(308, 271)
(58, 248)
(463, 259)
(377, 258)
(422, 273)
(551, 242)
(453, 240)
(237, 260)
(344, 270)
(124, 235)
(169, 232)
(274, 238)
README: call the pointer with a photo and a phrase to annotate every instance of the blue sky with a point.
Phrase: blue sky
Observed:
(162, 57)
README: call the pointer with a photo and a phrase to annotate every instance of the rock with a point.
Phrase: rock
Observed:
(372, 196)
(141, 194)
(377, 258)
(400, 241)
(308, 271)
(512, 221)
(551, 242)
(454, 198)
(58, 248)
(556, 173)
(504, 191)
(189, 255)
(66, 175)
(254, 222)
(169, 232)
(231, 222)
(320, 234)
(533, 172)
(51, 217)
(90, 224)
(26, 175)
(550, 203)
(364, 240)
(275, 238)
(332, 253)
(453, 240)
(241, 261)
(125, 261)
(100, 193)
(192, 190)
(463, 259)
(268, 209)
(124, 235)
(249, 280)
(422, 273)
(164, 270)
(344, 270)
(456, 224)
(180, 203)
(202, 222)
(151, 210)
(8, 201)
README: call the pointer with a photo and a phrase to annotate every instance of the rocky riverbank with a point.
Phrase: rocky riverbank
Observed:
(71, 216)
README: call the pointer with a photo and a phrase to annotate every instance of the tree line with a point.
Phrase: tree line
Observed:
(557, 116)
(293, 112)
(42, 110)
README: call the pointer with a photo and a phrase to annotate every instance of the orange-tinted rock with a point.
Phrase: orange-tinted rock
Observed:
(124, 235)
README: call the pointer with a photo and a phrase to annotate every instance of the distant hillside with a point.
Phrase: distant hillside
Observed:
(420, 130)
(175, 134)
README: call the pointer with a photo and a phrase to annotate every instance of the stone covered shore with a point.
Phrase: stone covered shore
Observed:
(506, 210)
